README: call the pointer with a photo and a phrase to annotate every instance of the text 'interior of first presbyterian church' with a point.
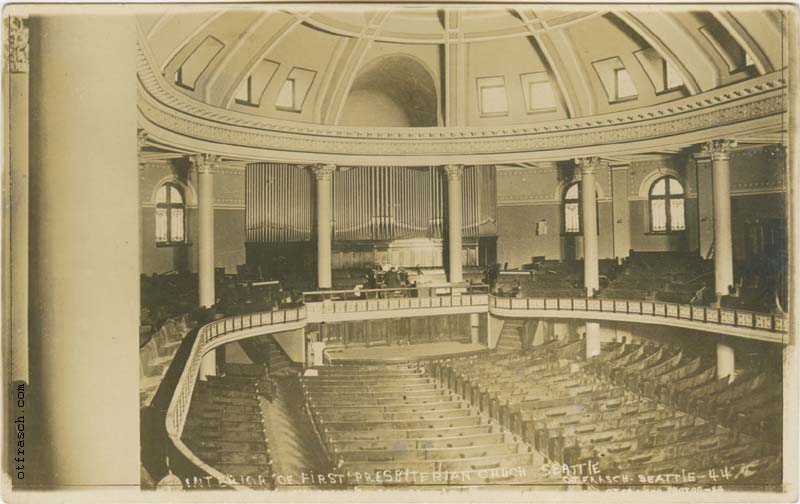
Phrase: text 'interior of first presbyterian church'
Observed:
(538, 247)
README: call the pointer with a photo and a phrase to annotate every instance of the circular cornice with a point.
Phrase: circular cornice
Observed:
(518, 28)
(172, 118)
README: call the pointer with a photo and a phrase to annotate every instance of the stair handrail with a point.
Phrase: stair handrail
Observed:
(210, 336)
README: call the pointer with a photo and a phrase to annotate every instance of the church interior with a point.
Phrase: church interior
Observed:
(530, 247)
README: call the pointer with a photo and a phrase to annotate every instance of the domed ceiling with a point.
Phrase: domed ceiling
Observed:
(417, 67)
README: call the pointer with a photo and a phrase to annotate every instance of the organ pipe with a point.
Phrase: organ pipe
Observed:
(369, 203)
(278, 203)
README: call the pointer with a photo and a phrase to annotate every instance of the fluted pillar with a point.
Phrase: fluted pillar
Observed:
(204, 164)
(591, 276)
(726, 361)
(720, 152)
(18, 211)
(454, 174)
(83, 410)
(324, 176)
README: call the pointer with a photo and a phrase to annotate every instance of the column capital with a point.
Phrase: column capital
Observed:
(141, 139)
(588, 165)
(323, 171)
(204, 163)
(18, 61)
(719, 150)
(453, 172)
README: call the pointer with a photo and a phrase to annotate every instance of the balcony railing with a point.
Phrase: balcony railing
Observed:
(342, 301)
(338, 302)
(719, 316)
(431, 290)
(208, 337)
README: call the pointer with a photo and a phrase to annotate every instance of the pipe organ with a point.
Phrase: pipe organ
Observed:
(372, 203)
(279, 203)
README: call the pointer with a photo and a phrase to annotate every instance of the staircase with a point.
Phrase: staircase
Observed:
(265, 350)
(277, 361)
(510, 340)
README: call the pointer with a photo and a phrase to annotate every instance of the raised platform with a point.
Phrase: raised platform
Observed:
(403, 353)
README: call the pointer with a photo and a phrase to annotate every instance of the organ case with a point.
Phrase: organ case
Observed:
(393, 214)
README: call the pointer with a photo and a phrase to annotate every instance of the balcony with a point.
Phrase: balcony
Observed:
(446, 299)
(746, 324)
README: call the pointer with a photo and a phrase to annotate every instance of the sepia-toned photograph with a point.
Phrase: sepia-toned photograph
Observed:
(400, 252)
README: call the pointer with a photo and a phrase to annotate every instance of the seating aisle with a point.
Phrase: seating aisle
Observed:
(296, 452)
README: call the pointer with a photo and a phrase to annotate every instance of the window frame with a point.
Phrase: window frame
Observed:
(735, 62)
(178, 81)
(665, 66)
(486, 85)
(667, 198)
(528, 81)
(248, 82)
(293, 107)
(302, 82)
(617, 97)
(169, 206)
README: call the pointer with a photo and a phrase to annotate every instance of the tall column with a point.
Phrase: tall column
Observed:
(324, 176)
(208, 365)
(725, 361)
(84, 253)
(591, 276)
(454, 173)
(18, 191)
(204, 164)
(592, 339)
(720, 152)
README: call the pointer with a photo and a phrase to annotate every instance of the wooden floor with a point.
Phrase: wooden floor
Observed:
(402, 353)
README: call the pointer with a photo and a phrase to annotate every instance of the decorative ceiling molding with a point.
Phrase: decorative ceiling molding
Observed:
(207, 83)
(552, 61)
(349, 70)
(663, 31)
(766, 55)
(266, 40)
(320, 21)
(663, 49)
(173, 118)
(503, 171)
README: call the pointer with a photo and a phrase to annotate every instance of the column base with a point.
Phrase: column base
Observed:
(726, 362)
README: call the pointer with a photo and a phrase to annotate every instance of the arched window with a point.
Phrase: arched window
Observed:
(170, 215)
(666, 206)
(573, 209)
